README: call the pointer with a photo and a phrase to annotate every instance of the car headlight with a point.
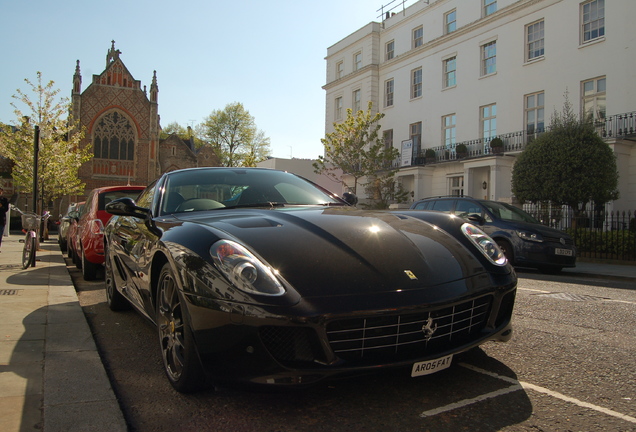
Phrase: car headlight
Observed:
(485, 244)
(529, 236)
(244, 270)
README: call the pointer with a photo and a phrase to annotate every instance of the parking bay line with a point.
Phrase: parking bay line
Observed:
(518, 385)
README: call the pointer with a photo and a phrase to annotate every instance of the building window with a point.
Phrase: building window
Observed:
(388, 93)
(456, 186)
(489, 58)
(594, 99)
(338, 108)
(356, 101)
(390, 50)
(534, 41)
(488, 120)
(448, 131)
(535, 113)
(450, 21)
(339, 70)
(387, 135)
(357, 61)
(592, 20)
(415, 135)
(418, 37)
(450, 72)
(416, 83)
(490, 7)
(114, 138)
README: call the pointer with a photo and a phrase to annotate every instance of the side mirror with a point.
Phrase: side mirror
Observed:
(350, 198)
(474, 217)
(126, 207)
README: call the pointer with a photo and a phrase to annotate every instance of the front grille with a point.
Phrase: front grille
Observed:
(289, 344)
(568, 240)
(406, 336)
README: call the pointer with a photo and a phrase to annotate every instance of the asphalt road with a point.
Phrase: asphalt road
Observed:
(571, 366)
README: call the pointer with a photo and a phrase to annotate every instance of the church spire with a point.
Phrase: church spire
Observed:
(77, 79)
(112, 54)
(154, 89)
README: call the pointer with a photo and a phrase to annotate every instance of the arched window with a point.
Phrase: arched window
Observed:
(114, 138)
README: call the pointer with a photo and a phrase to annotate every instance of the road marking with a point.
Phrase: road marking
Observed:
(544, 390)
(467, 402)
(598, 298)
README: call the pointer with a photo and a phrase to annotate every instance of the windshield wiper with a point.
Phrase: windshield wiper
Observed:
(269, 204)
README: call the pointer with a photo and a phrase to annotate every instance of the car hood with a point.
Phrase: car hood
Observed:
(345, 251)
(538, 228)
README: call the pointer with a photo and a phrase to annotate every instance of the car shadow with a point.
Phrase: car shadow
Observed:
(390, 400)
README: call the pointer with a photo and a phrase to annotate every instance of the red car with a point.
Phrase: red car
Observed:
(90, 227)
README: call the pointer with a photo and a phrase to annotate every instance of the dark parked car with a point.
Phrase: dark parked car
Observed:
(65, 223)
(71, 233)
(523, 239)
(259, 276)
(90, 227)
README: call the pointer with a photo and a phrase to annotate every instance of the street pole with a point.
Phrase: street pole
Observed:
(36, 150)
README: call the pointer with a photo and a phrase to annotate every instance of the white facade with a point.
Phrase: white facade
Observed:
(466, 71)
(303, 168)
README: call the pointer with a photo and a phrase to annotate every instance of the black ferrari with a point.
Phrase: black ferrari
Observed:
(260, 276)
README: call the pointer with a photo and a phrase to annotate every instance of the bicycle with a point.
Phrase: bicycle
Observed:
(31, 226)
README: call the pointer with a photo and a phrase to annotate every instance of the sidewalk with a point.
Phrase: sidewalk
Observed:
(51, 375)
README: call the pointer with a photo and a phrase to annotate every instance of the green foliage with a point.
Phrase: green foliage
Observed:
(429, 153)
(619, 243)
(570, 164)
(496, 142)
(184, 133)
(233, 135)
(355, 148)
(59, 155)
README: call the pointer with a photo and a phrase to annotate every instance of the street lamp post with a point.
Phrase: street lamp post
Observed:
(36, 150)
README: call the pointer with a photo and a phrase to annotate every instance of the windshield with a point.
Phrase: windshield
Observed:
(508, 212)
(219, 188)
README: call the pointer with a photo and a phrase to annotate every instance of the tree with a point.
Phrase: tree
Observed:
(185, 133)
(570, 164)
(59, 155)
(355, 148)
(233, 134)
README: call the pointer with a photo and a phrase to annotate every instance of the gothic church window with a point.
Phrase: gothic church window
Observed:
(114, 138)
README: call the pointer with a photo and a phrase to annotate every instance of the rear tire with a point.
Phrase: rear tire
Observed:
(116, 301)
(89, 270)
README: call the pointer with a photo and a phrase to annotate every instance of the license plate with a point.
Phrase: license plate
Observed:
(431, 366)
(565, 252)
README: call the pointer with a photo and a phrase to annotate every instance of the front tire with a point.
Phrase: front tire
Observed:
(28, 251)
(180, 360)
(506, 248)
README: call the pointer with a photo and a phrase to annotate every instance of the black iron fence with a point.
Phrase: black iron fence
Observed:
(597, 234)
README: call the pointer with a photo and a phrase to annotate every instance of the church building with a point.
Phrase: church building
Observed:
(122, 123)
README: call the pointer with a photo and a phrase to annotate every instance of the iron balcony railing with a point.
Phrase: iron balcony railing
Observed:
(613, 127)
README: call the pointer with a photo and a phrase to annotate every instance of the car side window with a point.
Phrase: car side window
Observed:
(444, 205)
(422, 205)
(467, 208)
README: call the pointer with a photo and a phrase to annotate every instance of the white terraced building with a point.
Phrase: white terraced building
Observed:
(451, 72)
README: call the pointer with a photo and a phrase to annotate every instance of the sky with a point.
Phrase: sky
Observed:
(268, 55)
